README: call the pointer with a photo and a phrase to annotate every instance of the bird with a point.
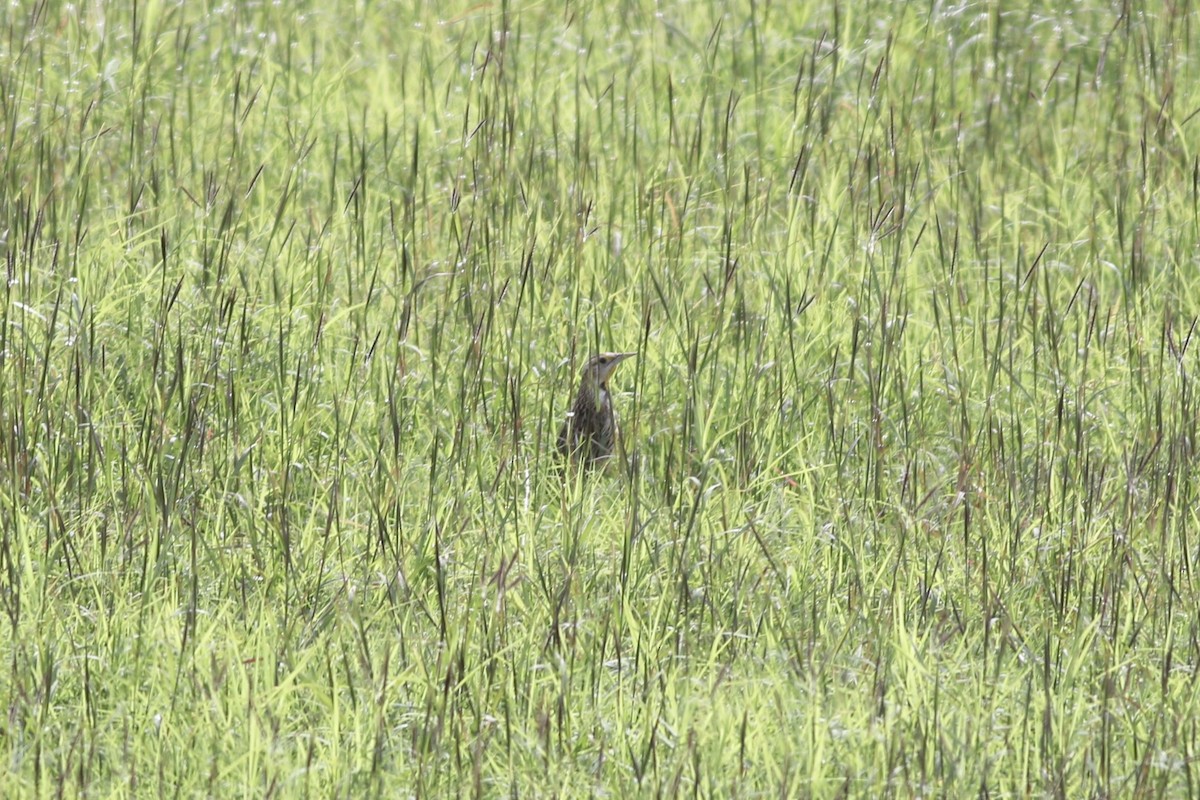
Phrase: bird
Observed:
(589, 433)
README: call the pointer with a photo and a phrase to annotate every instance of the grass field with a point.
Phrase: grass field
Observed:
(296, 300)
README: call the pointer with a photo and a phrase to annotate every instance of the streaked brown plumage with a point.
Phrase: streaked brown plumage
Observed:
(589, 433)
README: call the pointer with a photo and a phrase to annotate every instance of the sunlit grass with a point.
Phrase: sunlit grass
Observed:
(296, 299)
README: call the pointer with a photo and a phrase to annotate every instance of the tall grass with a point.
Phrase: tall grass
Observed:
(295, 302)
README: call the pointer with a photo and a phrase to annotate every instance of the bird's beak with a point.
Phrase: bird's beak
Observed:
(613, 360)
(617, 358)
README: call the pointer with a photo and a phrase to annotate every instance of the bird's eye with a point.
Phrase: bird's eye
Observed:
(604, 360)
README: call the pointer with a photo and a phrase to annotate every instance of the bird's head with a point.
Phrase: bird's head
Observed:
(599, 367)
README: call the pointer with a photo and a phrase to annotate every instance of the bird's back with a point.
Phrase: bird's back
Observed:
(589, 432)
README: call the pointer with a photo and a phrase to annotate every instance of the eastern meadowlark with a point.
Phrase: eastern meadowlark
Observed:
(589, 432)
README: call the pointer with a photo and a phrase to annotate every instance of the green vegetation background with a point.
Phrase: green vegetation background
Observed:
(295, 298)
